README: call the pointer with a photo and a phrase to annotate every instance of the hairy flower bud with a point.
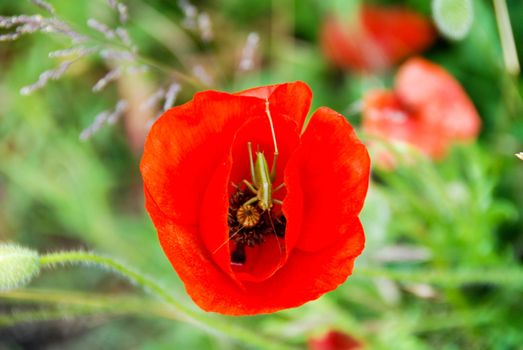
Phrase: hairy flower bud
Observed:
(18, 266)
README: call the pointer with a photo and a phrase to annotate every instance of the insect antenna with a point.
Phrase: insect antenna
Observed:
(276, 152)
(228, 239)
(274, 231)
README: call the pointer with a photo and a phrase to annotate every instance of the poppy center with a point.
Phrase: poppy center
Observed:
(249, 225)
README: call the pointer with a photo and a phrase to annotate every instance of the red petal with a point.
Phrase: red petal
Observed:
(262, 261)
(379, 37)
(438, 98)
(307, 275)
(333, 170)
(186, 167)
(213, 290)
(351, 47)
(385, 117)
(398, 31)
(335, 340)
(292, 100)
(205, 282)
(213, 229)
(186, 145)
(261, 92)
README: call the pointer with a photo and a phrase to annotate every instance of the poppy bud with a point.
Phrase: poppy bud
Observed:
(18, 266)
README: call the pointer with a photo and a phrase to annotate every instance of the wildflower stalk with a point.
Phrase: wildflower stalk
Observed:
(506, 35)
(86, 258)
(18, 317)
(178, 75)
(463, 320)
(99, 39)
(508, 277)
(74, 304)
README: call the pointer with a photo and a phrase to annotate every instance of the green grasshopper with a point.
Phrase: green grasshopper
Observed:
(249, 213)
(262, 180)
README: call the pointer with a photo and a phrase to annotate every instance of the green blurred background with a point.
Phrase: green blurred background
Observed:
(57, 192)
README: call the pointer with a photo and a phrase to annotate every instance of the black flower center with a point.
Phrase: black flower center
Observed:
(249, 225)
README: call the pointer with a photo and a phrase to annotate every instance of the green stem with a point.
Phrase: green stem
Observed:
(18, 317)
(95, 303)
(218, 325)
(180, 76)
(466, 320)
(506, 35)
(99, 39)
(505, 277)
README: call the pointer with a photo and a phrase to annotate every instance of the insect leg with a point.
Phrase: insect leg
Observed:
(250, 187)
(279, 187)
(251, 161)
(250, 201)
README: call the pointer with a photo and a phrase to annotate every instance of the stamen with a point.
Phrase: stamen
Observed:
(249, 226)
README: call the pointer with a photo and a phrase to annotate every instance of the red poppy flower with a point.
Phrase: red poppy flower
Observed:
(335, 340)
(194, 161)
(379, 38)
(428, 110)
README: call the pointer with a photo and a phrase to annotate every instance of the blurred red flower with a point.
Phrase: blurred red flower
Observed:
(378, 38)
(194, 161)
(428, 110)
(335, 340)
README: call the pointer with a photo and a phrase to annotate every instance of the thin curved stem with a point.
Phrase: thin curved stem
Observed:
(93, 303)
(174, 72)
(87, 258)
(102, 41)
(99, 40)
(18, 317)
(228, 329)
